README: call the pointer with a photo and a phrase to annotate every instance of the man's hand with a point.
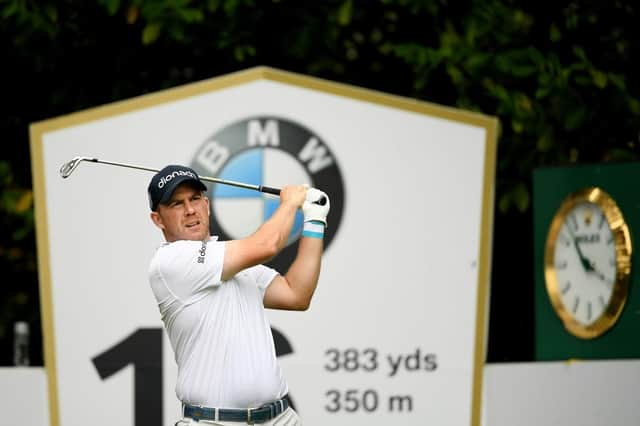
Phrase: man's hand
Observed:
(294, 194)
(312, 209)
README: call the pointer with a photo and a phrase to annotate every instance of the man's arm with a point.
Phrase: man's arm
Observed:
(294, 290)
(269, 239)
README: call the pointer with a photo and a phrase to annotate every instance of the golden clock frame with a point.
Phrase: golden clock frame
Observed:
(622, 239)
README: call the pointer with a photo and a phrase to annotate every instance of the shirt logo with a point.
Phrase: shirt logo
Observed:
(202, 252)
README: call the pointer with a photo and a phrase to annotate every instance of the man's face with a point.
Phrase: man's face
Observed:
(185, 216)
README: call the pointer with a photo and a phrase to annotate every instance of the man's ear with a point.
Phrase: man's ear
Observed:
(157, 220)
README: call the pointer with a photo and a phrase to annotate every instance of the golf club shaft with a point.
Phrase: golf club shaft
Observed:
(261, 188)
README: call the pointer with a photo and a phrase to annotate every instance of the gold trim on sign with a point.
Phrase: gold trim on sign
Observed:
(484, 272)
(620, 232)
(380, 98)
(44, 273)
(488, 123)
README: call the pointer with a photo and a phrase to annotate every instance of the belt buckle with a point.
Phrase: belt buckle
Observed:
(249, 419)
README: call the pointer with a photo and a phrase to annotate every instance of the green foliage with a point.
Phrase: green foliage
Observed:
(560, 78)
(31, 17)
(173, 17)
(547, 91)
(16, 208)
(345, 12)
(16, 219)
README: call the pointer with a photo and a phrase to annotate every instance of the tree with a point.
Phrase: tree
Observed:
(560, 79)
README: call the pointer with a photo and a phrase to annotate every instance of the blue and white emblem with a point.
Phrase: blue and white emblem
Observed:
(273, 152)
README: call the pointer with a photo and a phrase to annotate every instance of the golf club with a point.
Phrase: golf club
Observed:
(69, 167)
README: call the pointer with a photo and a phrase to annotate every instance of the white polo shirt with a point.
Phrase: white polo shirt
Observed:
(219, 332)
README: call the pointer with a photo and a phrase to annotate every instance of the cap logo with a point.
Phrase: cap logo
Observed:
(168, 178)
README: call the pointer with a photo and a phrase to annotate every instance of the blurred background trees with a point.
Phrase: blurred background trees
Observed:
(561, 79)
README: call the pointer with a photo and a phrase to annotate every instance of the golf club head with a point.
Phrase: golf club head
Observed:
(67, 168)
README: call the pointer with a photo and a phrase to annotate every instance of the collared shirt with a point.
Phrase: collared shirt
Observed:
(218, 329)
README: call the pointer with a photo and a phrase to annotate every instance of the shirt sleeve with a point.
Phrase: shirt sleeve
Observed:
(190, 267)
(262, 276)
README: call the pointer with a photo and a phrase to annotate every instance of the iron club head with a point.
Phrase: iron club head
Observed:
(67, 168)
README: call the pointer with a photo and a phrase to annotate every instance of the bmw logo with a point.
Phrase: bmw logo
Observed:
(268, 151)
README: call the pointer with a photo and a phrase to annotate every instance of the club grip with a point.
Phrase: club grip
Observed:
(269, 190)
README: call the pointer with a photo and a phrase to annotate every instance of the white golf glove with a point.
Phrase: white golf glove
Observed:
(312, 209)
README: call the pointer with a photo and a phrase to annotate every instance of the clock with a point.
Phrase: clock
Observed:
(587, 262)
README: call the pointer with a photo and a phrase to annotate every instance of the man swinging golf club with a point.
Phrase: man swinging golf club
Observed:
(211, 295)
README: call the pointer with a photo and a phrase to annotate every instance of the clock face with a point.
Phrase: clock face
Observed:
(588, 262)
(585, 262)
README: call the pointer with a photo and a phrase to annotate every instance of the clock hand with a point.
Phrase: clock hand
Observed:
(585, 262)
(597, 272)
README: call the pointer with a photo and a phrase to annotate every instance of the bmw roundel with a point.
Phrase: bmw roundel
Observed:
(273, 152)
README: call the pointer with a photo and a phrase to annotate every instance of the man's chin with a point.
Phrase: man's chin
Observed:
(195, 236)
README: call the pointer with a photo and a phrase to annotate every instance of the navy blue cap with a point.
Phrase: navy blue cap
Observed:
(167, 180)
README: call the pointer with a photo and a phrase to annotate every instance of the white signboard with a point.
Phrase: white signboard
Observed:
(396, 330)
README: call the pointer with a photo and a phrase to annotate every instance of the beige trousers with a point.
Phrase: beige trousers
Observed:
(288, 418)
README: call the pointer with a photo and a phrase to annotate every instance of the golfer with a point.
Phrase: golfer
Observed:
(212, 294)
